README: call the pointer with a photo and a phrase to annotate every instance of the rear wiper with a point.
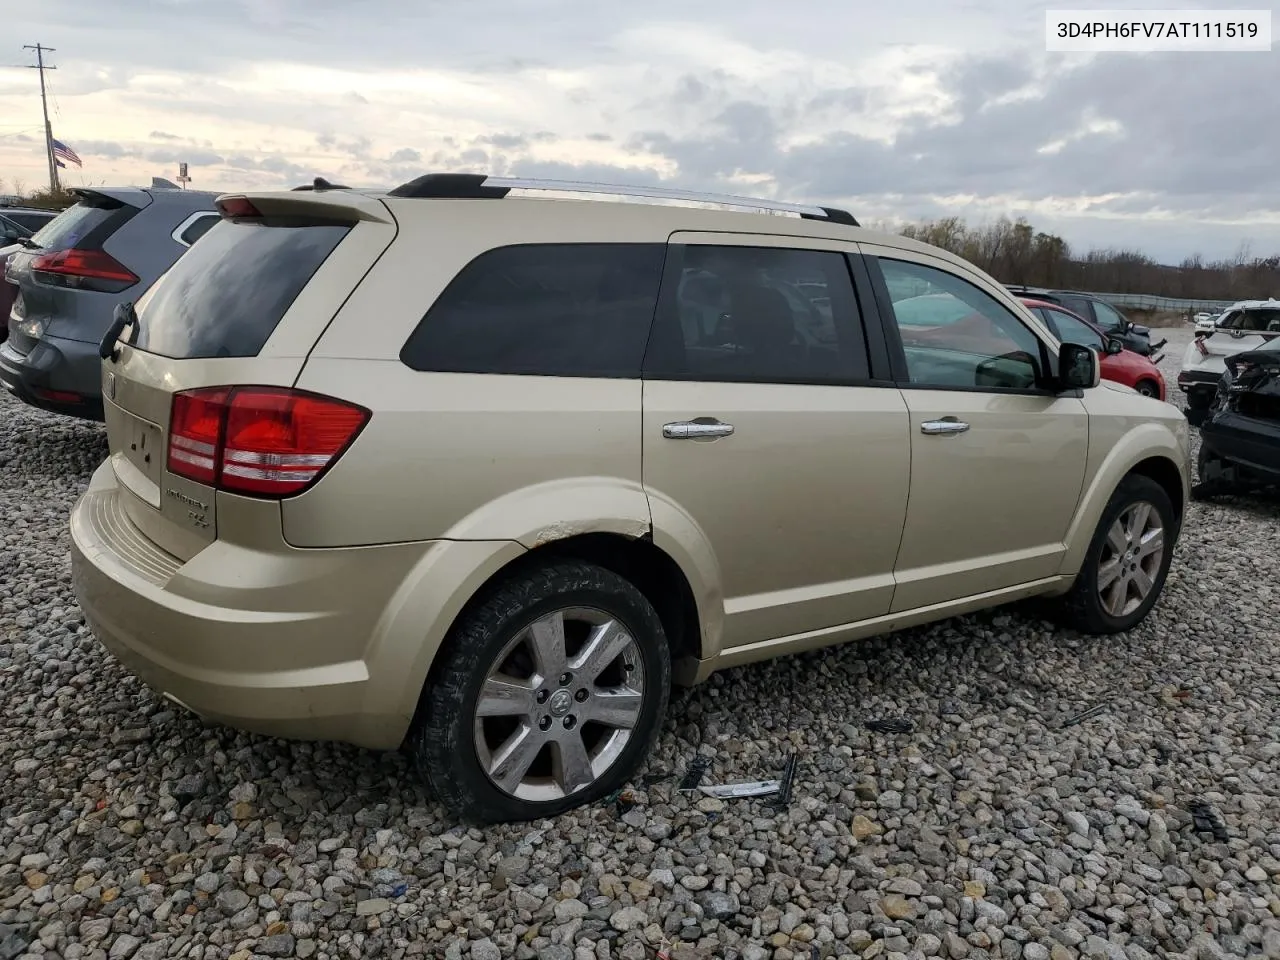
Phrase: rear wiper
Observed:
(123, 316)
(29, 243)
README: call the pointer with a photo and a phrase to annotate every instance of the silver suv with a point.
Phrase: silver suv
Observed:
(480, 469)
(107, 247)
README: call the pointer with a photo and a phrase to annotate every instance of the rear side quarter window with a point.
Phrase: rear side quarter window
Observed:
(194, 227)
(567, 310)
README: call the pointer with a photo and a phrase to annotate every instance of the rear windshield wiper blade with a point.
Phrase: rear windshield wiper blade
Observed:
(123, 316)
(29, 243)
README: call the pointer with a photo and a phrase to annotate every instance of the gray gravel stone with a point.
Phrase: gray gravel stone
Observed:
(992, 830)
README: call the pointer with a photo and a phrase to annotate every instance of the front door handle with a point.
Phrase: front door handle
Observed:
(696, 430)
(933, 427)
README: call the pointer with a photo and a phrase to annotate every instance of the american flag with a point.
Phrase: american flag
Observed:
(63, 152)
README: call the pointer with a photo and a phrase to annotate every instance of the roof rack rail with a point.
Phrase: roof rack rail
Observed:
(479, 186)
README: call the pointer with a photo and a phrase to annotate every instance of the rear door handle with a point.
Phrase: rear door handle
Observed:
(933, 427)
(696, 430)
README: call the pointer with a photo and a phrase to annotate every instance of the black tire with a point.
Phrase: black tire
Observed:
(1082, 607)
(1147, 388)
(442, 742)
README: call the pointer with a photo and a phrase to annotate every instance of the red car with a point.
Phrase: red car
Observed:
(1131, 369)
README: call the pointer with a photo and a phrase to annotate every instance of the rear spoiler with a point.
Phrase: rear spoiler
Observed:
(129, 196)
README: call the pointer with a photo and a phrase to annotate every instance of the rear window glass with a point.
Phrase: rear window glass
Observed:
(1253, 321)
(226, 295)
(83, 225)
(568, 310)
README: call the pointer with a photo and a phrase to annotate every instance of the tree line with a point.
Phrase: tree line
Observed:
(1014, 252)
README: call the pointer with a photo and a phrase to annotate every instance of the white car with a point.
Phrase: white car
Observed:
(1246, 325)
(1207, 322)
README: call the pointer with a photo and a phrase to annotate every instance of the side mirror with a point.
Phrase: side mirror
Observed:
(1114, 346)
(1078, 367)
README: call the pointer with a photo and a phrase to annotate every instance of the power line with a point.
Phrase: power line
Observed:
(40, 65)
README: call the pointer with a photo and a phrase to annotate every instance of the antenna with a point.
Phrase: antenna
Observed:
(40, 65)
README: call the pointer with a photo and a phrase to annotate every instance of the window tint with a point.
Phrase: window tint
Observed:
(1076, 305)
(226, 295)
(759, 314)
(198, 228)
(567, 310)
(1108, 319)
(32, 221)
(1074, 330)
(985, 347)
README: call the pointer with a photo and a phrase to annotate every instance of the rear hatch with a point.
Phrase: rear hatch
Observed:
(241, 309)
(66, 258)
(1241, 330)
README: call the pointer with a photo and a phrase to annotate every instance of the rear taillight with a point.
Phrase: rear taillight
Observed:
(237, 208)
(1204, 351)
(87, 269)
(261, 441)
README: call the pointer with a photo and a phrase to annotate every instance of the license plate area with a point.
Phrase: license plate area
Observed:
(144, 448)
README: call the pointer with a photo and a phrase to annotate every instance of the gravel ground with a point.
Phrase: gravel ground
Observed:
(994, 828)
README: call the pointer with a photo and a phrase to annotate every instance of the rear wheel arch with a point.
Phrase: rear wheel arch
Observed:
(638, 560)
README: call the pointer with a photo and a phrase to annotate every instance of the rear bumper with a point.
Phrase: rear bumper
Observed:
(300, 644)
(63, 376)
(1244, 441)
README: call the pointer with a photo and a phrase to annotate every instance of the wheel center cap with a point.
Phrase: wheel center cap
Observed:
(561, 703)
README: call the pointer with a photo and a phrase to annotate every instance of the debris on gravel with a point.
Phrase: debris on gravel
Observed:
(133, 831)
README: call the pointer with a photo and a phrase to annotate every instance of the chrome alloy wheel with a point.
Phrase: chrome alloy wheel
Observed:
(1131, 559)
(559, 704)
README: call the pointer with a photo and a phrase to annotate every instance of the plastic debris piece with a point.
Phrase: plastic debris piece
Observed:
(1095, 711)
(788, 780)
(736, 791)
(1207, 819)
(399, 890)
(890, 725)
(694, 773)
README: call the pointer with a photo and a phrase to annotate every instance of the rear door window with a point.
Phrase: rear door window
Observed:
(1077, 305)
(759, 315)
(565, 310)
(226, 295)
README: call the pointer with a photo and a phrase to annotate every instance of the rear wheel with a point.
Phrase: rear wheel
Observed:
(1127, 561)
(1147, 388)
(549, 695)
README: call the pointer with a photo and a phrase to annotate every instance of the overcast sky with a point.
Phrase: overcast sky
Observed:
(903, 109)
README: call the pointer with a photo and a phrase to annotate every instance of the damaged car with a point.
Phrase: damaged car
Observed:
(1240, 437)
(1244, 326)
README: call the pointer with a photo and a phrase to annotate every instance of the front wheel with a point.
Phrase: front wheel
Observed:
(548, 695)
(1127, 561)
(1147, 388)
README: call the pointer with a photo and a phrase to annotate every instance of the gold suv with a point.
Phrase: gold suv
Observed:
(481, 467)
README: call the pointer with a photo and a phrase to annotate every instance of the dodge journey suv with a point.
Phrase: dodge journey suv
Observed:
(480, 467)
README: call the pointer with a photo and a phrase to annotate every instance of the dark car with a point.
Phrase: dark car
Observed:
(1098, 312)
(1240, 437)
(105, 249)
(17, 224)
(29, 219)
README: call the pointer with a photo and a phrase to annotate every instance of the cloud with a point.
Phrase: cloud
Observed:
(895, 111)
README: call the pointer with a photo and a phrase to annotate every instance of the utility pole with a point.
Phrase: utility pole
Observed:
(40, 65)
